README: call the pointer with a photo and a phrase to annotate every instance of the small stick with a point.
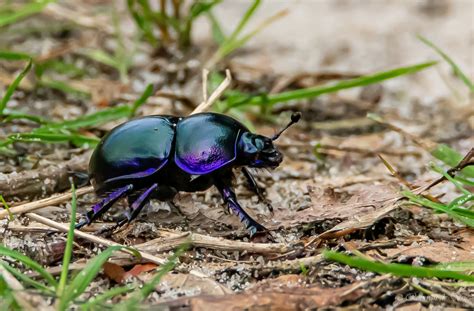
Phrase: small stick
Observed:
(466, 161)
(201, 240)
(90, 237)
(215, 95)
(52, 200)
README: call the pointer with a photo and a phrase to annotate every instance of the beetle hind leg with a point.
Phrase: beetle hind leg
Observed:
(137, 205)
(101, 207)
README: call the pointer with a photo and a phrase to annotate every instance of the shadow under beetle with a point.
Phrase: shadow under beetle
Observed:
(158, 156)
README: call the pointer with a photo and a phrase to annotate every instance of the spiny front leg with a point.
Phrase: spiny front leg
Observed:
(104, 205)
(252, 183)
(229, 197)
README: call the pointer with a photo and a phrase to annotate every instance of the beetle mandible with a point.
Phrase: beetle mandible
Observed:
(157, 156)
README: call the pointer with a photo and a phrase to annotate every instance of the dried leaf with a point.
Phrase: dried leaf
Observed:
(138, 269)
(114, 272)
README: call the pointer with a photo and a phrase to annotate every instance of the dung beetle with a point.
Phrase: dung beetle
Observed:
(157, 156)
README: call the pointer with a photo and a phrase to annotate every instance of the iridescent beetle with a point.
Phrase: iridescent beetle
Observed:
(158, 156)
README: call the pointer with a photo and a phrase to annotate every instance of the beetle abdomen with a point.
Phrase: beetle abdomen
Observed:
(133, 150)
(206, 142)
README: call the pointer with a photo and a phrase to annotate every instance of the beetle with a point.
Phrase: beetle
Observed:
(159, 155)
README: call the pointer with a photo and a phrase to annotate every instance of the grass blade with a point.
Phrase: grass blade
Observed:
(102, 298)
(15, 115)
(144, 23)
(140, 101)
(23, 12)
(395, 268)
(217, 32)
(44, 137)
(5, 205)
(451, 157)
(457, 71)
(14, 85)
(64, 87)
(69, 245)
(33, 265)
(463, 215)
(237, 43)
(101, 57)
(80, 283)
(10, 55)
(26, 279)
(148, 288)
(251, 10)
(93, 119)
(320, 90)
(456, 266)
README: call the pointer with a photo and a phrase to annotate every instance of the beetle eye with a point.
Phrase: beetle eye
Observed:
(259, 144)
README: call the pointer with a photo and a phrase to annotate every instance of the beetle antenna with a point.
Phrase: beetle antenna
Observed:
(295, 117)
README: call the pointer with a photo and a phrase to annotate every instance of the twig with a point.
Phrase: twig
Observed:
(200, 240)
(30, 183)
(466, 161)
(90, 237)
(205, 105)
(173, 240)
(52, 200)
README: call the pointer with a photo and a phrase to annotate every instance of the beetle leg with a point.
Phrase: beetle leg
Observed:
(229, 197)
(252, 183)
(138, 205)
(104, 205)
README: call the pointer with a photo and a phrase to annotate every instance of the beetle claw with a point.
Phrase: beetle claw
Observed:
(83, 223)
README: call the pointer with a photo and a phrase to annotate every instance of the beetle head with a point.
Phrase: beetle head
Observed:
(258, 151)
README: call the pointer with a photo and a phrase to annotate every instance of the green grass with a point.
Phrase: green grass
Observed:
(460, 208)
(121, 59)
(395, 268)
(228, 44)
(306, 93)
(9, 15)
(451, 157)
(133, 302)
(457, 71)
(69, 131)
(163, 27)
(12, 87)
(69, 288)
(5, 205)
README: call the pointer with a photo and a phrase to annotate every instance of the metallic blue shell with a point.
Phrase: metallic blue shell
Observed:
(206, 142)
(135, 149)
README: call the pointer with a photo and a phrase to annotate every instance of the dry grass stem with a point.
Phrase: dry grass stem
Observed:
(90, 237)
(52, 200)
(205, 105)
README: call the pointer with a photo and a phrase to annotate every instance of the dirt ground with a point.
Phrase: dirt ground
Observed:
(332, 191)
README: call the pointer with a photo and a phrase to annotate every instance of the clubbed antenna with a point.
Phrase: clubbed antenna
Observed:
(295, 117)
